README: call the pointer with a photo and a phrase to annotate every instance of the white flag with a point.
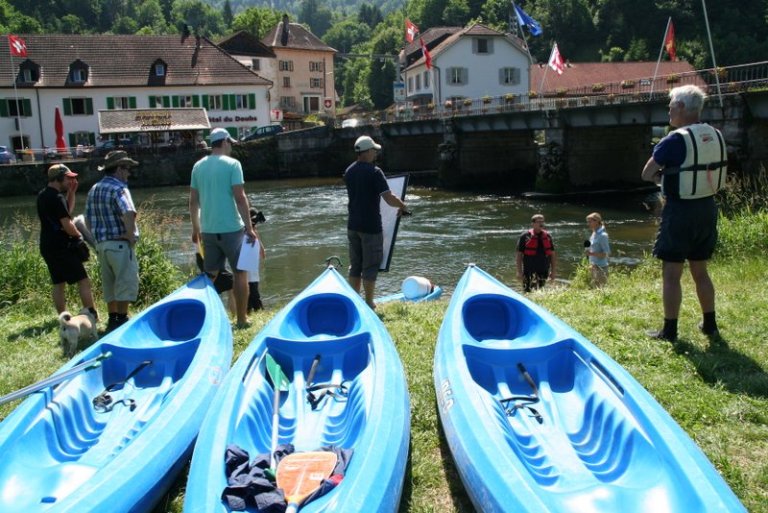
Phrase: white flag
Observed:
(556, 60)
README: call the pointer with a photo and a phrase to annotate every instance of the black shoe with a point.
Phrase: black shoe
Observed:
(712, 334)
(661, 335)
(113, 324)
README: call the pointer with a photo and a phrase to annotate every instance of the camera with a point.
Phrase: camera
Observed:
(587, 243)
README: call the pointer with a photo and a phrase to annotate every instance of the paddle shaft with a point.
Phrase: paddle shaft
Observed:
(56, 379)
(275, 426)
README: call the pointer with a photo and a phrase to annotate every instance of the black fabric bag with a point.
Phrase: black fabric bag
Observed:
(80, 247)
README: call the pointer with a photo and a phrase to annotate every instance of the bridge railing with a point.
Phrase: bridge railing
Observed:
(732, 80)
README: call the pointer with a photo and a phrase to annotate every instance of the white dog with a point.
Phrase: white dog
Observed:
(74, 328)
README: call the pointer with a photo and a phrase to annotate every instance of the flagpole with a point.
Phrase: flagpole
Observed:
(712, 50)
(16, 99)
(546, 68)
(661, 52)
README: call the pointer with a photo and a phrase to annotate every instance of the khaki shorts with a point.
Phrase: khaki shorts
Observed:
(119, 270)
(221, 246)
(365, 253)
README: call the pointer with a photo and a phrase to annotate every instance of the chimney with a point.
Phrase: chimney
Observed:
(284, 35)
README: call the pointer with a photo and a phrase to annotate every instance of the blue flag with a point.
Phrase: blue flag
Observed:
(526, 21)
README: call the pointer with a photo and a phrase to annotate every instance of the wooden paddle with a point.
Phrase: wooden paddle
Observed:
(300, 474)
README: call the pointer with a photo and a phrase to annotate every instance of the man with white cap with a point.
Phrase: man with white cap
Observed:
(366, 185)
(59, 237)
(220, 214)
(111, 216)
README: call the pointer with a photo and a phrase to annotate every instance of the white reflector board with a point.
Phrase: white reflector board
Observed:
(389, 218)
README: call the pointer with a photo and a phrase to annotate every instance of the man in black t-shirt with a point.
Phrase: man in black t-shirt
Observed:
(366, 185)
(535, 255)
(59, 235)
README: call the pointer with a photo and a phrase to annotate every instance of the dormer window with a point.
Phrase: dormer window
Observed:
(78, 72)
(29, 73)
(160, 69)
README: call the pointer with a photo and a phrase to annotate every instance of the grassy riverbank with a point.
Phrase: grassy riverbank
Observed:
(718, 392)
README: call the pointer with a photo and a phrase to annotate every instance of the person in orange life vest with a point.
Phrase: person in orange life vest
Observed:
(536, 259)
(690, 165)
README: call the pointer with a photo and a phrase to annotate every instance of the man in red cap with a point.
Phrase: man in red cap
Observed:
(59, 237)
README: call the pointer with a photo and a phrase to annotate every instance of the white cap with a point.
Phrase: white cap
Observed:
(365, 143)
(218, 134)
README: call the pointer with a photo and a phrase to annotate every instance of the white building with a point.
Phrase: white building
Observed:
(165, 80)
(470, 63)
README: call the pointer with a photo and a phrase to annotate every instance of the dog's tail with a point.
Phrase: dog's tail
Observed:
(65, 316)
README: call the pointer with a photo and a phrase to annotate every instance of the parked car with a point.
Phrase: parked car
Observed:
(263, 131)
(6, 157)
(108, 145)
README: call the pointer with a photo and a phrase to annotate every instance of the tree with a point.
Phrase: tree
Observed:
(257, 20)
(149, 15)
(227, 15)
(200, 17)
(370, 15)
(346, 34)
(456, 13)
(71, 24)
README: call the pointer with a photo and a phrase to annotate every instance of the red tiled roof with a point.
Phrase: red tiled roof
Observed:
(299, 38)
(127, 60)
(580, 75)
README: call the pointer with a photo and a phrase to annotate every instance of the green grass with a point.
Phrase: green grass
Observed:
(717, 392)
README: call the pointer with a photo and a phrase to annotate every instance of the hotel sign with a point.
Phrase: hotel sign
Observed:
(122, 121)
(154, 120)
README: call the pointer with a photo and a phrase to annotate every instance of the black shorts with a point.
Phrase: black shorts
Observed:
(64, 265)
(688, 230)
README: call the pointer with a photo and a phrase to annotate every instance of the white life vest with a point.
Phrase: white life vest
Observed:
(703, 172)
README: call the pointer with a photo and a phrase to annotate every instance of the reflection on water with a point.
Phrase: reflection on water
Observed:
(306, 223)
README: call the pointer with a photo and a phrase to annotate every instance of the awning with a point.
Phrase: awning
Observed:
(124, 121)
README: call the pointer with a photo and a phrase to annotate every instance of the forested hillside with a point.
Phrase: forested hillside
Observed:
(585, 30)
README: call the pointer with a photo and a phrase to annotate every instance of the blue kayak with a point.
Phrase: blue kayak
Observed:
(328, 327)
(538, 419)
(113, 438)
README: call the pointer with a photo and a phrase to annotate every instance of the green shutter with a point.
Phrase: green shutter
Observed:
(91, 138)
(233, 132)
(27, 108)
(4, 108)
(151, 102)
(251, 101)
(67, 107)
(89, 106)
(195, 100)
(110, 103)
(166, 101)
(175, 101)
(132, 102)
(205, 101)
(232, 102)
(72, 140)
(224, 102)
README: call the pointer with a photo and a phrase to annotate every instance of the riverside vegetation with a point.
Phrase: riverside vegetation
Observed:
(717, 391)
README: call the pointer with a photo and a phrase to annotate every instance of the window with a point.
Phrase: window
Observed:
(316, 83)
(255, 64)
(426, 80)
(121, 102)
(29, 73)
(26, 75)
(286, 81)
(78, 106)
(215, 102)
(482, 45)
(418, 82)
(77, 76)
(288, 102)
(185, 101)
(410, 84)
(509, 76)
(159, 69)
(457, 76)
(10, 107)
(241, 101)
(285, 65)
(311, 103)
(315, 65)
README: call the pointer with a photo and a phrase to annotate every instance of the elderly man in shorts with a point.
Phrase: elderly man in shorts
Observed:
(111, 216)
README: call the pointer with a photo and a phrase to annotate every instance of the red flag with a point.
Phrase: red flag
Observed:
(18, 46)
(669, 41)
(427, 57)
(410, 31)
(556, 60)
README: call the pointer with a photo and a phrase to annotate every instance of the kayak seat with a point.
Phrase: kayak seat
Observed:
(321, 315)
(502, 321)
(587, 435)
(169, 323)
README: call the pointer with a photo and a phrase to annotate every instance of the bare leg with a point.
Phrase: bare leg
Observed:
(121, 307)
(86, 295)
(241, 296)
(705, 289)
(60, 297)
(369, 286)
(355, 282)
(672, 291)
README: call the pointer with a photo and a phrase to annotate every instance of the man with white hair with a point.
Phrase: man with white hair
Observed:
(366, 185)
(690, 164)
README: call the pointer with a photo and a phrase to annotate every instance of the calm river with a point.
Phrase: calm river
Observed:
(306, 223)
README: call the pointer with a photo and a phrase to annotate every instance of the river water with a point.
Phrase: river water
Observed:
(306, 223)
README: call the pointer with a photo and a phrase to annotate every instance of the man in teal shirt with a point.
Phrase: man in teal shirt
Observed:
(219, 210)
